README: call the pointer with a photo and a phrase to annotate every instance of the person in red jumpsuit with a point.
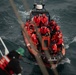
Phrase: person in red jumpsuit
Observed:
(54, 48)
(30, 29)
(44, 19)
(27, 24)
(44, 30)
(59, 40)
(34, 38)
(36, 19)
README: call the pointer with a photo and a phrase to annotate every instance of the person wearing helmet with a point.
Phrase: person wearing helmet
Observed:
(34, 39)
(59, 40)
(57, 28)
(27, 24)
(51, 25)
(59, 34)
(31, 29)
(36, 19)
(44, 30)
(44, 19)
(56, 35)
(54, 28)
(54, 47)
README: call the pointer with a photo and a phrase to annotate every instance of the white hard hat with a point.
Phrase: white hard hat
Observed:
(39, 6)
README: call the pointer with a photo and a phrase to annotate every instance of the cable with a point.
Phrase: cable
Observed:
(39, 60)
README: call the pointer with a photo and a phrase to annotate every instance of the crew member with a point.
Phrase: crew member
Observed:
(52, 22)
(56, 29)
(37, 20)
(31, 29)
(44, 30)
(53, 28)
(34, 38)
(56, 35)
(44, 19)
(59, 40)
(54, 48)
(27, 24)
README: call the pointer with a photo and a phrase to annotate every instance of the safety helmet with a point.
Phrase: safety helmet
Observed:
(20, 51)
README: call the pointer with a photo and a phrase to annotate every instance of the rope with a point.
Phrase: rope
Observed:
(39, 60)
(39, 36)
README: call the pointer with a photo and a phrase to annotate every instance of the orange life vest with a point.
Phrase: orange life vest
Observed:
(44, 30)
(56, 36)
(59, 41)
(31, 29)
(37, 20)
(34, 39)
(54, 47)
(44, 19)
(26, 26)
(60, 35)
